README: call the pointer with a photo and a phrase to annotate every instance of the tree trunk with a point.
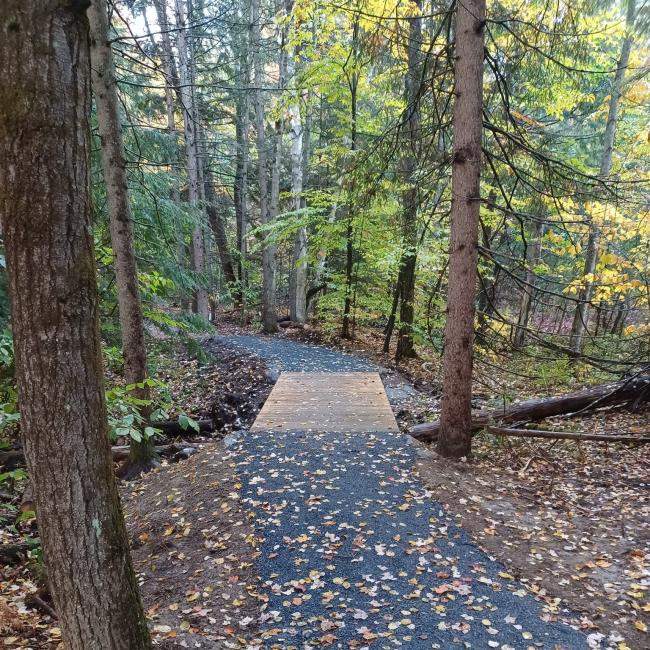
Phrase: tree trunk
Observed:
(218, 226)
(298, 278)
(120, 221)
(190, 124)
(269, 308)
(456, 415)
(346, 330)
(413, 80)
(240, 190)
(390, 324)
(528, 290)
(45, 204)
(171, 87)
(320, 273)
(298, 275)
(242, 122)
(581, 316)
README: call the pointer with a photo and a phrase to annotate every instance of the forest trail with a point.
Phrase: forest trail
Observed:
(356, 552)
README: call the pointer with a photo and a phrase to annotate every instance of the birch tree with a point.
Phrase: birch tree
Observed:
(298, 276)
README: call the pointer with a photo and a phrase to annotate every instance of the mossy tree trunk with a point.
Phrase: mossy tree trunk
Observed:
(120, 221)
(45, 208)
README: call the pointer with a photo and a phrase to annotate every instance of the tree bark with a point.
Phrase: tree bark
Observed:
(456, 415)
(298, 278)
(120, 220)
(190, 124)
(218, 226)
(269, 308)
(45, 206)
(298, 275)
(413, 80)
(320, 272)
(242, 123)
(171, 87)
(390, 324)
(353, 79)
(581, 315)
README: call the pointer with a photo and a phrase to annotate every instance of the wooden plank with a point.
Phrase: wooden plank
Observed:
(324, 401)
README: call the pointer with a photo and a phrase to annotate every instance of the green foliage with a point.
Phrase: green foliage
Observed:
(196, 351)
(113, 358)
(554, 374)
(125, 411)
(9, 415)
(10, 479)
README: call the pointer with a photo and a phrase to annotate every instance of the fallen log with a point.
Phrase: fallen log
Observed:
(10, 460)
(568, 435)
(10, 553)
(636, 390)
(121, 452)
(173, 428)
(286, 324)
(16, 458)
(35, 601)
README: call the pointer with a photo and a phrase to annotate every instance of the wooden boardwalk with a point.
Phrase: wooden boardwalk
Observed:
(327, 401)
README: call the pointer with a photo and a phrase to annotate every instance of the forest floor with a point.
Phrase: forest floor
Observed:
(192, 543)
(568, 520)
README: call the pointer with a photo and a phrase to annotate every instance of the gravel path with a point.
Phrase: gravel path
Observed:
(285, 354)
(292, 356)
(356, 552)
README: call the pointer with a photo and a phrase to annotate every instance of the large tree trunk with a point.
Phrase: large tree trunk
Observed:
(269, 309)
(581, 315)
(455, 435)
(45, 208)
(413, 80)
(120, 221)
(190, 124)
(629, 390)
(240, 189)
(278, 132)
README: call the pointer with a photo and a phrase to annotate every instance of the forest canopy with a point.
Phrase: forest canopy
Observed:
(328, 82)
